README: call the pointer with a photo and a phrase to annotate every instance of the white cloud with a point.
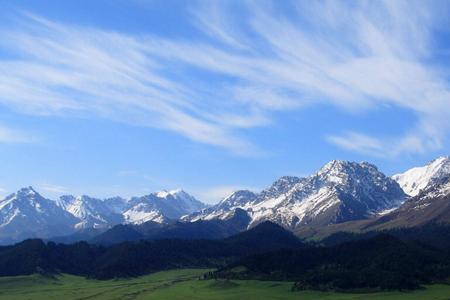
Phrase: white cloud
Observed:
(354, 56)
(357, 142)
(11, 136)
(84, 71)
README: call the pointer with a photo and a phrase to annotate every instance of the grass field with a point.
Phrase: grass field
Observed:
(181, 284)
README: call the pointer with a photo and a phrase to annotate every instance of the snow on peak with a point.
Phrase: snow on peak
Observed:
(27, 211)
(339, 191)
(238, 196)
(162, 194)
(24, 195)
(161, 206)
(417, 179)
(349, 167)
(91, 212)
(174, 193)
(441, 188)
(27, 191)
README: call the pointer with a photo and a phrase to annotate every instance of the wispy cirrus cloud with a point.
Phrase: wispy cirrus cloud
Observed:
(357, 142)
(14, 136)
(354, 56)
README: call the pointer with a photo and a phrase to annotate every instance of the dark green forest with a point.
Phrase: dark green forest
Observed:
(265, 252)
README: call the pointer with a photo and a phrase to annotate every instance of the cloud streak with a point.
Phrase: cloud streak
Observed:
(14, 136)
(354, 56)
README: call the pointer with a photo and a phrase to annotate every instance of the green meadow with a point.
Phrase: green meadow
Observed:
(181, 284)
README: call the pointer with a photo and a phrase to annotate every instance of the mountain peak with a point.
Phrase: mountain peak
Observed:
(239, 196)
(288, 179)
(340, 191)
(27, 191)
(420, 178)
(345, 172)
(27, 194)
(161, 206)
(335, 166)
(440, 159)
(346, 166)
(175, 192)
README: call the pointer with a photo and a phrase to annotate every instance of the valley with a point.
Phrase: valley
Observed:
(347, 227)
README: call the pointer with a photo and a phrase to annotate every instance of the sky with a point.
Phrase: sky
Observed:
(128, 97)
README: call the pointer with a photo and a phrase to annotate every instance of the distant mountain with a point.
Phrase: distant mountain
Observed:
(116, 204)
(238, 200)
(431, 205)
(201, 229)
(340, 191)
(27, 214)
(91, 212)
(420, 178)
(161, 207)
(341, 196)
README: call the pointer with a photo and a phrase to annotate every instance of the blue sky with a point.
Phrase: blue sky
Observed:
(129, 97)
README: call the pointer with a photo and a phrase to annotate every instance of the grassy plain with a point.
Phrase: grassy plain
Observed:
(182, 284)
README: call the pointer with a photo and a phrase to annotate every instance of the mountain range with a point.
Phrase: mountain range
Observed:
(340, 191)
(27, 214)
(339, 196)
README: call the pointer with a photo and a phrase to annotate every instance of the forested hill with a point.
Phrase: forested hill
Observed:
(141, 257)
(266, 252)
(381, 262)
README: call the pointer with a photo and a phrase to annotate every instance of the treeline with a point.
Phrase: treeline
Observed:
(140, 257)
(266, 252)
(434, 234)
(381, 262)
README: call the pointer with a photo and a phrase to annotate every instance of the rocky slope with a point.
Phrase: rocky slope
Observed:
(420, 178)
(91, 212)
(161, 207)
(27, 214)
(340, 191)
(431, 205)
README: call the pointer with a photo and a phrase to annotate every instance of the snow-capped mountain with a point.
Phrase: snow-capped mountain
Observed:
(420, 178)
(340, 191)
(27, 214)
(242, 199)
(161, 206)
(116, 204)
(91, 212)
(431, 205)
